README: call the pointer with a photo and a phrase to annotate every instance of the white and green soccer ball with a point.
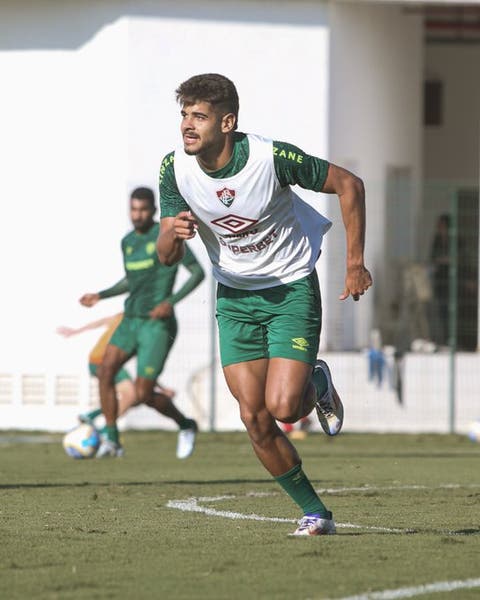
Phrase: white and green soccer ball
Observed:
(474, 431)
(82, 441)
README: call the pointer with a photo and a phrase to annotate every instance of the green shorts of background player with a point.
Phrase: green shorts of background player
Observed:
(150, 340)
(125, 389)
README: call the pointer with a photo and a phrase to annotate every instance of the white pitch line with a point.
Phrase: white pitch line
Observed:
(366, 488)
(192, 505)
(419, 590)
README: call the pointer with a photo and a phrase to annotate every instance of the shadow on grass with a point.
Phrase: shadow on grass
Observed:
(81, 484)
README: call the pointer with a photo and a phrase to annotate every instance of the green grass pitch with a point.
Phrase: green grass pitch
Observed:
(215, 526)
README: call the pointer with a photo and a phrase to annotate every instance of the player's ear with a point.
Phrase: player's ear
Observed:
(228, 122)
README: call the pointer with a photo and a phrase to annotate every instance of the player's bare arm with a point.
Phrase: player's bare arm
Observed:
(173, 233)
(69, 331)
(351, 193)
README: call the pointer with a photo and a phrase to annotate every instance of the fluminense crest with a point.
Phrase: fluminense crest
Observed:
(226, 196)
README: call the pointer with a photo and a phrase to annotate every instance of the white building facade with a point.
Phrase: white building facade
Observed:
(88, 111)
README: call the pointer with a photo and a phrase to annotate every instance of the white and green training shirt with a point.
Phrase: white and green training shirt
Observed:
(257, 231)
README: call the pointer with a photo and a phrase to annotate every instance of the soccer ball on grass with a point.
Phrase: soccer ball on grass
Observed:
(82, 441)
(474, 431)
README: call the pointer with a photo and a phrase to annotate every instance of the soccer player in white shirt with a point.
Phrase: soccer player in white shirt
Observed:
(233, 189)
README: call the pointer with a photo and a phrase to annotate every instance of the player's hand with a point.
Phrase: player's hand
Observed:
(66, 331)
(89, 299)
(161, 311)
(357, 282)
(185, 225)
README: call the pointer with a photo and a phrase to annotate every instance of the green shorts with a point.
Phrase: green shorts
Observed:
(283, 322)
(149, 339)
(122, 375)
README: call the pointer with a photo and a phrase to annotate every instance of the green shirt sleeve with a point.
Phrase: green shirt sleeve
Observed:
(294, 167)
(121, 287)
(197, 275)
(171, 201)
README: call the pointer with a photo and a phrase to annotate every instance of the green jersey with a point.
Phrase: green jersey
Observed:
(147, 281)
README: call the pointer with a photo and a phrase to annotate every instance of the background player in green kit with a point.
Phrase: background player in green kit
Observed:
(233, 189)
(148, 327)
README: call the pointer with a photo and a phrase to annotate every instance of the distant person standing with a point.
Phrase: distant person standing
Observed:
(148, 328)
(440, 260)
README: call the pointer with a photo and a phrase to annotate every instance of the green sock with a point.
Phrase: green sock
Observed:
(111, 433)
(300, 490)
(320, 382)
(187, 423)
(93, 414)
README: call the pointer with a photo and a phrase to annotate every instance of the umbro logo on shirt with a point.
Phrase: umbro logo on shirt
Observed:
(226, 196)
(234, 223)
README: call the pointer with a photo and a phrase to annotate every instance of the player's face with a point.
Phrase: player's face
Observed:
(203, 128)
(141, 214)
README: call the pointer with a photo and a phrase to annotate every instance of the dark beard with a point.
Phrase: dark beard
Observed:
(191, 152)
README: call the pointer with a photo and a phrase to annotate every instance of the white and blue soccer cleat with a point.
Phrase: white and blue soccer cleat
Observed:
(329, 407)
(315, 525)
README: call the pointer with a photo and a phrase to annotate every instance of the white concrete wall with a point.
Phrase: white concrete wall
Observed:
(375, 123)
(424, 405)
(88, 111)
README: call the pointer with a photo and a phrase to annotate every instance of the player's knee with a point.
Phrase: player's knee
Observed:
(284, 407)
(259, 425)
(251, 420)
(144, 392)
(107, 372)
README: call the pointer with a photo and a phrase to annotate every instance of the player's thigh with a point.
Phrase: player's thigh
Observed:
(155, 340)
(246, 381)
(113, 359)
(286, 384)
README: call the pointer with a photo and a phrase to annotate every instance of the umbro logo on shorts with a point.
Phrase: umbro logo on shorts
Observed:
(300, 344)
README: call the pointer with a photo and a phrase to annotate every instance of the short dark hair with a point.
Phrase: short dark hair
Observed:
(216, 89)
(445, 219)
(144, 193)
